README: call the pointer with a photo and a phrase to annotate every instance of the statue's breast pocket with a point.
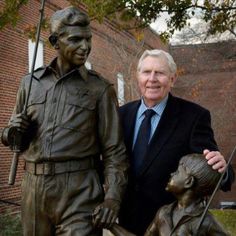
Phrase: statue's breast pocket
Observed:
(79, 111)
(36, 106)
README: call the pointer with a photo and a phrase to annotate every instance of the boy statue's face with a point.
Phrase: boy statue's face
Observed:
(178, 180)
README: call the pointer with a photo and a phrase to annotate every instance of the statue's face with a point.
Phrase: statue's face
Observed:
(178, 180)
(74, 45)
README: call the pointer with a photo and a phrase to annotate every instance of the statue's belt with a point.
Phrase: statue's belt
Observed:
(53, 168)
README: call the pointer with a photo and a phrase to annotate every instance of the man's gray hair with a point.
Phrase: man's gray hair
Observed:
(159, 54)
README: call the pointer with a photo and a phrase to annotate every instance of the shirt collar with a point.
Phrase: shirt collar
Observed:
(194, 209)
(39, 73)
(158, 108)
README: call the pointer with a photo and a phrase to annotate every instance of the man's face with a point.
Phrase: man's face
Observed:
(155, 80)
(74, 45)
(178, 180)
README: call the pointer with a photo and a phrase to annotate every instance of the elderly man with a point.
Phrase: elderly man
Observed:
(159, 129)
(71, 133)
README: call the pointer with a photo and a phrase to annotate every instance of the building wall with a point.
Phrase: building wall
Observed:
(113, 51)
(207, 75)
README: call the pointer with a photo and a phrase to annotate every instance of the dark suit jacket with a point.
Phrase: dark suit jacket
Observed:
(184, 128)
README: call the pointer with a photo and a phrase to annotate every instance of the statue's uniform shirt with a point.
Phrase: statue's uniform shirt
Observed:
(73, 119)
(187, 223)
(67, 112)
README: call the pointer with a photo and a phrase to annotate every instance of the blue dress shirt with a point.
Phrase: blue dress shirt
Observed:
(158, 108)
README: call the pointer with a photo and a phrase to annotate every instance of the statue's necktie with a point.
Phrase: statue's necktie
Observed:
(141, 144)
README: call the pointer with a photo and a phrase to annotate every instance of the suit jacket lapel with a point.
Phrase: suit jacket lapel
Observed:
(167, 124)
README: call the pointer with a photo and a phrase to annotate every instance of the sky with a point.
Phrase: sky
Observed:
(197, 25)
(160, 23)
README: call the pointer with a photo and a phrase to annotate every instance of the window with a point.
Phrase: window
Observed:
(121, 89)
(39, 59)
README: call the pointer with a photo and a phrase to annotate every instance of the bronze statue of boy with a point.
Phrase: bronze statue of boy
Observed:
(70, 130)
(191, 183)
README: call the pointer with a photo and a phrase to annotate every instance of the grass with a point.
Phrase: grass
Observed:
(10, 225)
(227, 218)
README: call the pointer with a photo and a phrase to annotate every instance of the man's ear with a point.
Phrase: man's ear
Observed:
(189, 182)
(173, 79)
(53, 40)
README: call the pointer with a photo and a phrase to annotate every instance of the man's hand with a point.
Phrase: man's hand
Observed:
(105, 215)
(20, 121)
(215, 159)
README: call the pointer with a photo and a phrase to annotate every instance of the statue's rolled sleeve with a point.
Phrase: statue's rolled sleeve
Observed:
(20, 99)
(113, 148)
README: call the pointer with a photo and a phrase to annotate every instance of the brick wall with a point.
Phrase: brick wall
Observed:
(113, 51)
(207, 75)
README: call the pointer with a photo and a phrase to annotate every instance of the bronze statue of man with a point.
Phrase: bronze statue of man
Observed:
(75, 161)
(190, 184)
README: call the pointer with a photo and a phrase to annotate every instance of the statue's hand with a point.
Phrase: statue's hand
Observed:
(13, 134)
(105, 215)
(20, 121)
